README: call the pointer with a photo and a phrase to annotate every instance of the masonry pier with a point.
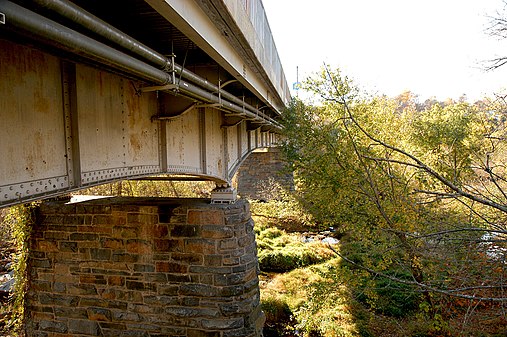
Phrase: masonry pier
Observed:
(260, 171)
(143, 267)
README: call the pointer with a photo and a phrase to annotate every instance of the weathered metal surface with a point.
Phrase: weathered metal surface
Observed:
(32, 151)
(117, 137)
(69, 125)
(184, 144)
(214, 136)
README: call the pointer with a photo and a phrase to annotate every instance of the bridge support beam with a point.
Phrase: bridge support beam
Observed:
(144, 267)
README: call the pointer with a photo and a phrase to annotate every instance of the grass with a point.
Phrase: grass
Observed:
(307, 291)
(316, 302)
(281, 252)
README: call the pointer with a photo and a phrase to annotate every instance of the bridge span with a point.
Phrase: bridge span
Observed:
(97, 91)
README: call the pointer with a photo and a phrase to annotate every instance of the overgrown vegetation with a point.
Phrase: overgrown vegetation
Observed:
(15, 230)
(418, 192)
(153, 188)
(337, 298)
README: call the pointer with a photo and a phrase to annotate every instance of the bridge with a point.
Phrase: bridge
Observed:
(93, 92)
(97, 91)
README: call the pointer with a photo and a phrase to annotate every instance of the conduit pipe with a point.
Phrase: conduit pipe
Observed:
(76, 43)
(94, 24)
(71, 41)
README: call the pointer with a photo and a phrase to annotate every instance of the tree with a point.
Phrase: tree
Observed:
(498, 29)
(421, 192)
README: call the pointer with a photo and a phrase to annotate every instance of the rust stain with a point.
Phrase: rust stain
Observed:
(42, 104)
(135, 145)
(133, 103)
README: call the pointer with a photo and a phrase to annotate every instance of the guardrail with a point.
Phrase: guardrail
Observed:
(257, 14)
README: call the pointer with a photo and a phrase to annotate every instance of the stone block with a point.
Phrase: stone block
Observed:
(159, 231)
(205, 217)
(138, 246)
(229, 244)
(178, 278)
(222, 324)
(193, 289)
(142, 286)
(81, 289)
(52, 326)
(67, 246)
(213, 260)
(140, 219)
(181, 311)
(60, 235)
(187, 258)
(99, 314)
(58, 300)
(116, 281)
(170, 267)
(113, 326)
(92, 279)
(99, 254)
(168, 289)
(73, 220)
(127, 258)
(84, 237)
(144, 268)
(122, 316)
(200, 246)
(202, 333)
(47, 246)
(167, 245)
(186, 231)
(126, 232)
(112, 243)
(84, 327)
(38, 263)
(64, 312)
(217, 232)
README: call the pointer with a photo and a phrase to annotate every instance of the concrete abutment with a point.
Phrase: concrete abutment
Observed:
(143, 267)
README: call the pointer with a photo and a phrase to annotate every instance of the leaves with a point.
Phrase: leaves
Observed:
(390, 172)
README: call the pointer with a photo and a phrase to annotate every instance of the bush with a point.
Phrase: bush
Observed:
(282, 252)
(387, 297)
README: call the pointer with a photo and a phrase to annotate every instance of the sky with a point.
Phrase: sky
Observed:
(434, 48)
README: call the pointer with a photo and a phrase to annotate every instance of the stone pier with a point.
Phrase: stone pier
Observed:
(143, 267)
(259, 171)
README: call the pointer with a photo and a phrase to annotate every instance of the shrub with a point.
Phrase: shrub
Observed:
(282, 252)
(387, 297)
(19, 220)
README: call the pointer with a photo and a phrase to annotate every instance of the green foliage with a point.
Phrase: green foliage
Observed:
(448, 138)
(281, 208)
(415, 186)
(140, 188)
(282, 252)
(19, 220)
(387, 297)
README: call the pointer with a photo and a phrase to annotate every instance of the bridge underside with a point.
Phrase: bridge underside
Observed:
(69, 122)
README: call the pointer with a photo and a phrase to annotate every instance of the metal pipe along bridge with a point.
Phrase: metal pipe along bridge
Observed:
(97, 91)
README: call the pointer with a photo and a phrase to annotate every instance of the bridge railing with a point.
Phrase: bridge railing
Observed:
(257, 14)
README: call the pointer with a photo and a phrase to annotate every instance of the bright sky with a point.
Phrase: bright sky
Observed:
(430, 47)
